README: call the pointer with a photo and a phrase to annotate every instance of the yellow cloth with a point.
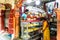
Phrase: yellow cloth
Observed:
(46, 32)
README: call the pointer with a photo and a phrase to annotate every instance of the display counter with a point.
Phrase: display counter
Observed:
(30, 30)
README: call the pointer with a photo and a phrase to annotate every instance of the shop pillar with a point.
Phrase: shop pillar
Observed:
(1, 20)
(11, 26)
(16, 22)
(14, 19)
(58, 23)
(17, 17)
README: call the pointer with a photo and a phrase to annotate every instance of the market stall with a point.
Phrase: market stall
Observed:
(22, 18)
(31, 26)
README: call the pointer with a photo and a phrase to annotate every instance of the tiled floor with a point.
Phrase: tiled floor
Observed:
(4, 36)
(52, 38)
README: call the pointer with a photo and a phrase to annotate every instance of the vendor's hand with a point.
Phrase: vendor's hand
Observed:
(41, 31)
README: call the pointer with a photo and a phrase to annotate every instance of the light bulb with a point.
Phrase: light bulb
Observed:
(37, 2)
(29, 1)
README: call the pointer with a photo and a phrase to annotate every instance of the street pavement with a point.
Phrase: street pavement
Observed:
(4, 35)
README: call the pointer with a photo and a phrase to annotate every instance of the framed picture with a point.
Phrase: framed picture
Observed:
(50, 6)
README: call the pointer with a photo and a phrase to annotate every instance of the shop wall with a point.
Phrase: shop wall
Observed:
(2, 1)
(8, 1)
(11, 2)
(58, 20)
